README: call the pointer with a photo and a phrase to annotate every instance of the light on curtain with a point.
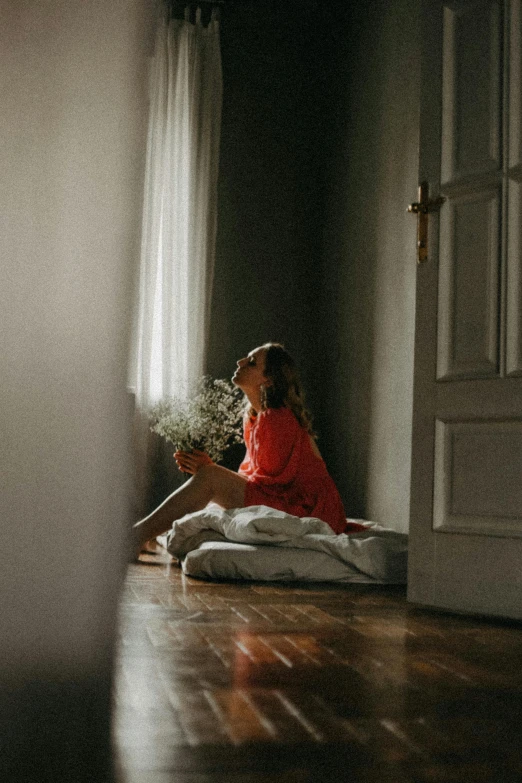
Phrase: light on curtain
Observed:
(180, 209)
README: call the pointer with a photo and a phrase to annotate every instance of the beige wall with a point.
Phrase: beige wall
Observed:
(72, 129)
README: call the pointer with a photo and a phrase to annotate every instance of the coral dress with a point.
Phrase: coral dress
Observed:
(284, 473)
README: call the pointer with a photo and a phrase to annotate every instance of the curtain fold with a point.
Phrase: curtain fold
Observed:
(179, 211)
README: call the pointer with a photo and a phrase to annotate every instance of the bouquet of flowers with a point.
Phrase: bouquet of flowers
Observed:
(211, 420)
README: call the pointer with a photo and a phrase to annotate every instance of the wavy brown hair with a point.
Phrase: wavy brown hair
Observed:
(285, 390)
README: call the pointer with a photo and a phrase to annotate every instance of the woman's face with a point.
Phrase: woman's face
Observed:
(250, 373)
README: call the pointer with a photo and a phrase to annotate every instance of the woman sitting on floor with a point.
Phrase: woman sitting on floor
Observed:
(282, 469)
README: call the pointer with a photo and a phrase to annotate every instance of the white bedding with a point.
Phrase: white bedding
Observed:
(260, 543)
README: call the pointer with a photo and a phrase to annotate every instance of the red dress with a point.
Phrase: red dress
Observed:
(284, 473)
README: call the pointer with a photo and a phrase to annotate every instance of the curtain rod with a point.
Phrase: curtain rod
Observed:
(209, 3)
(202, 2)
(212, 2)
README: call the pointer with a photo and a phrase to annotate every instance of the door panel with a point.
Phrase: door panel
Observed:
(469, 285)
(514, 278)
(477, 477)
(466, 500)
(515, 97)
(471, 89)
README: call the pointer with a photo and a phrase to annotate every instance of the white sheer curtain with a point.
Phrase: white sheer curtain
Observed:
(180, 210)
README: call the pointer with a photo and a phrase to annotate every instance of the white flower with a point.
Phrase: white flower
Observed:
(211, 420)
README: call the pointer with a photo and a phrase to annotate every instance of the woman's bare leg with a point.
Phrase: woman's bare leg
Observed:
(210, 483)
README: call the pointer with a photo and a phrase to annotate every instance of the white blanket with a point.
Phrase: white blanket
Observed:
(378, 553)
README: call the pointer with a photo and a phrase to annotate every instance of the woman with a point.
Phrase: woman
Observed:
(282, 469)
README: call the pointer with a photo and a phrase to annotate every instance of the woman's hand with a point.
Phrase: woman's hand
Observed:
(191, 461)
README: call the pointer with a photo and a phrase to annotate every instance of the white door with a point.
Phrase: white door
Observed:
(466, 503)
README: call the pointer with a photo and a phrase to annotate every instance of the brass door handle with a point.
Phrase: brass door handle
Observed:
(422, 208)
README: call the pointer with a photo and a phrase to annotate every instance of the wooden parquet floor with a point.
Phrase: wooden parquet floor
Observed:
(264, 682)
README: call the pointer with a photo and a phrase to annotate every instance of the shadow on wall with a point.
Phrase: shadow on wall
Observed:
(369, 258)
(267, 258)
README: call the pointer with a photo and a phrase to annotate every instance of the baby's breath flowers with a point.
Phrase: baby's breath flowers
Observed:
(211, 420)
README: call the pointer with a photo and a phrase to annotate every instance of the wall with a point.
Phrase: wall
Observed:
(72, 128)
(267, 258)
(369, 256)
(315, 248)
